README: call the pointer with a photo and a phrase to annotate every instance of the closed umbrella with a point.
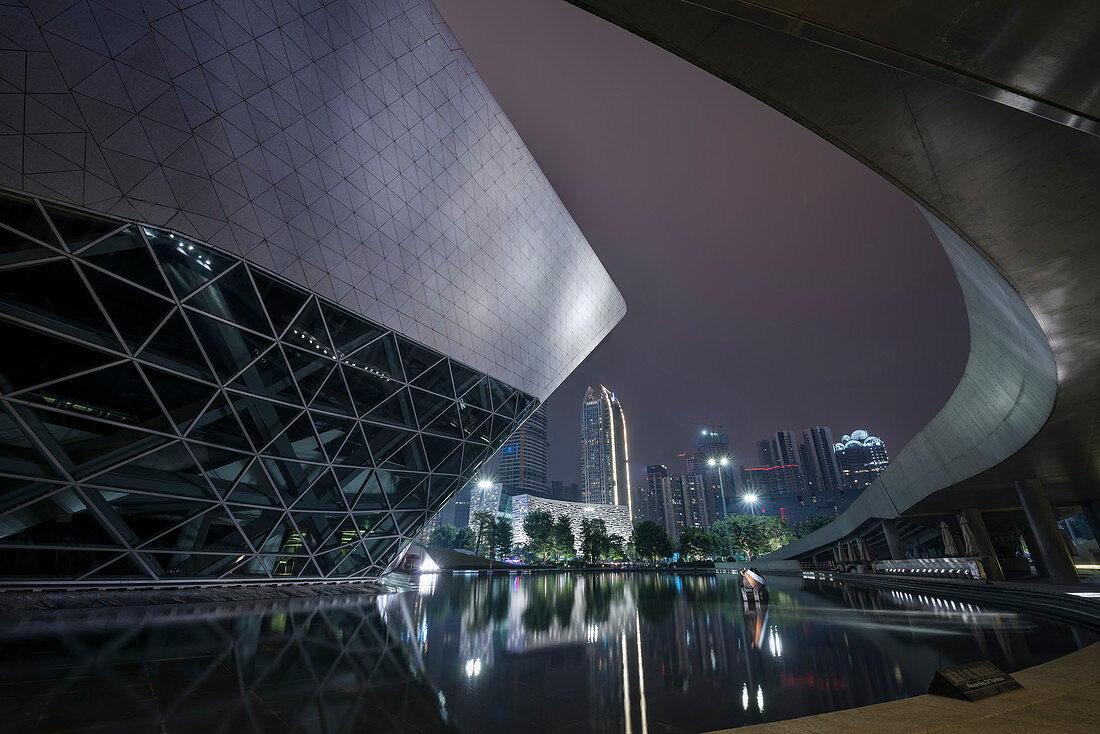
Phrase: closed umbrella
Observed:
(970, 540)
(863, 549)
(950, 547)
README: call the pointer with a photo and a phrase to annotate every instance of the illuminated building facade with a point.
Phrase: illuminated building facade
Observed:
(605, 464)
(861, 457)
(615, 517)
(523, 457)
(265, 304)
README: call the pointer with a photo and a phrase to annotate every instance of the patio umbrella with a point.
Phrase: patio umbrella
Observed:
(950, 547)
(970, 540)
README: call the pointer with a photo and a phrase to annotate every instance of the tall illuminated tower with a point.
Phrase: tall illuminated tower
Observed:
(523, 457)
(605, 472)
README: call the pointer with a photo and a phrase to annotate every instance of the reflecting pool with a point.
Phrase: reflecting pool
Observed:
(530, 653)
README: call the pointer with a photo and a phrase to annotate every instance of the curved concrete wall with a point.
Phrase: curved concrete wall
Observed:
(352, 148)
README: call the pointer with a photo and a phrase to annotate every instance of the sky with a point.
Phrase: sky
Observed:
(771, 281)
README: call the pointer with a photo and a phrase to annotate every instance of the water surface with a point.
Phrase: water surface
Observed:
(633, 653)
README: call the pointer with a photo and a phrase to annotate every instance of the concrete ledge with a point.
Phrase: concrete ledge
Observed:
(1060, 696)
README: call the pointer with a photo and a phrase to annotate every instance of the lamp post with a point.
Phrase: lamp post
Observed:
(721, 464)
(750, 499)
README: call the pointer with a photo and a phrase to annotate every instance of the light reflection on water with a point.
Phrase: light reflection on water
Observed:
(528, 653)
(631, 653)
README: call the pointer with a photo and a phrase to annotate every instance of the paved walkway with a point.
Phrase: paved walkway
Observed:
(1060, 696)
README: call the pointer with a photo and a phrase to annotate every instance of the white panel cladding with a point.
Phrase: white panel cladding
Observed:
(616, 517)
(349, 146)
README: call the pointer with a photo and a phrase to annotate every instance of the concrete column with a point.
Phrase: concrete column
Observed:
(1092, 514)
(1036, 554)
(993, 570)
(1044, 529)
(893, 540)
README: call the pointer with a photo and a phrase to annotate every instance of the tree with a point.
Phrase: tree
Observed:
(501, 538)
(616, 548)
(482, 524)
(651, 541)
(595, 542)
(804, 528)
(443, 536)
(465, 538)
(752, 535)
(564, 542)
(539, 527)
(696, 543)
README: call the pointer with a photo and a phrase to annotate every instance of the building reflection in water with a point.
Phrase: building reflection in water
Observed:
(525, 653)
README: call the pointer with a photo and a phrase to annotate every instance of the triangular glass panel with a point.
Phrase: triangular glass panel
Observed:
(298, 441)
(124, 568)
(379, 358)
(114, 393)
(397, 409)
(410, 523)
(222, 466)
(502, 429)
(473, 456)
(409, 456)
(174, 347)
(384, 440)
(438, 449)
(354, 452)
(361, 488)
(92, 445)
(254, 488)
(188, 266)
(184, 399)
(428, 405)
(501, 393)
(442, 490)
(383, 525)
(333, 431)
(348, 331)
(134, 312)
(230, 349)
(169, 470)
(324, 494)
(24, 216)
(31, 357)
(250, 567)
(478, 395)
(398, 484)
(512, 408)
(160, 522)
(447, 422)
(416, 358)
(464, 377)
(382, 550)
(474, 425)
(364, 522)
(317, 528)
(309, 370)
(437, 379)
(269, 377)
(219, 425)
(65, 306)
(38, 563)
(333, 396)
(232, 297)
(451, 464)
(308, 332)
(353, 561)
(77, 228)
(125, 254)
(367, 388)
(199, 565)
(283, 301)
(292, 478)
(263, 420)
(18, 454)
(17, 248)
(60, 518)
(417, 499)
(258, 526)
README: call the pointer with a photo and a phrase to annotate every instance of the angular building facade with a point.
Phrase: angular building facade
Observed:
(270, 292)
(605, 464)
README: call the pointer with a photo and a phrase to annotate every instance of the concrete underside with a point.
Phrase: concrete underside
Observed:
(985, 114)
(1060, 696)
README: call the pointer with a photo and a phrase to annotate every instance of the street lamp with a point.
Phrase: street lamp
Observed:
(722, 462)
(750, 499)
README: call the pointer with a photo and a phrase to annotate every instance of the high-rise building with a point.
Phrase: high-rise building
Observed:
(523, 457)
(605, 467)
(861, 457)
(820, 462)
(654, 492)
(247, 346)
(559, 490)
(712, 446)
(779, 452)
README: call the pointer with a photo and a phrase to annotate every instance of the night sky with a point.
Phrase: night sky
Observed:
(771, 281)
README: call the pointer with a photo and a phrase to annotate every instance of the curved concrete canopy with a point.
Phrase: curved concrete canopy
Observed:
(986, 115)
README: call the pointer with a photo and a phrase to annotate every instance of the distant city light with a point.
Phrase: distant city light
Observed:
(750, 497)
(484, 484)
(715, 462)
(704, 432)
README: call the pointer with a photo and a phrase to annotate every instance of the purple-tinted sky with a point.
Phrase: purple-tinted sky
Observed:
(771, 281)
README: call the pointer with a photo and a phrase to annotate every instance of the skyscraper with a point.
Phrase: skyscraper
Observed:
(861, 457)
(605, 469)
(523, 457)
(820, 462)
(712, 447)
(654, 493)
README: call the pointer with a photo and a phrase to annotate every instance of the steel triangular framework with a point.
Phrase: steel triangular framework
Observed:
(173, 413)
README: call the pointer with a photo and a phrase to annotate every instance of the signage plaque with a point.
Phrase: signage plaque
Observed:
(972, 681)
